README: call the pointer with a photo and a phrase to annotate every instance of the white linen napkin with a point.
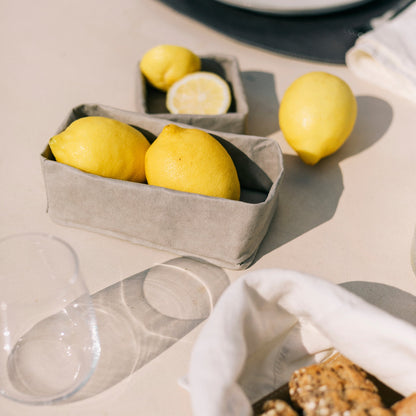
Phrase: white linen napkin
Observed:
(271, 322)
(386, 56)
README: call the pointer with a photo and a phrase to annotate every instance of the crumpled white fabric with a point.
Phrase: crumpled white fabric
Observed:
(270, 322)
(386, 56)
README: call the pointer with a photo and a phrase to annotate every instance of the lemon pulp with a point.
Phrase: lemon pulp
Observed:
(199, 93)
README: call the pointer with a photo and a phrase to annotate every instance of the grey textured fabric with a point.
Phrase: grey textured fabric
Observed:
(224, 232)
(152, 102)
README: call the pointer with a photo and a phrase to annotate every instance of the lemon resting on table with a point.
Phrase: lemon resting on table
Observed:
(199, 93)
(191, 160)
(102, 146)
(163, 65)
(317, 114)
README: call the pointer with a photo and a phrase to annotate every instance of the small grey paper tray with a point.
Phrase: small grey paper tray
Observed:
(151, 101)
(224, 232)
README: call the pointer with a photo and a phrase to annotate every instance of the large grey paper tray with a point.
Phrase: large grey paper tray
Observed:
(224, 232)
(152, 102)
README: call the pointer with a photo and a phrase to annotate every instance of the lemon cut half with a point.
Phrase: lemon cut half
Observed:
(199, 93)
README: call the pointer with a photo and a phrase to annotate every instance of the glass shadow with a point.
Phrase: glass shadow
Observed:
(141, 316)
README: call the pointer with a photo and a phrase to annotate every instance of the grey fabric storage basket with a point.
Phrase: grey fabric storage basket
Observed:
(224, 232)
(152, 102)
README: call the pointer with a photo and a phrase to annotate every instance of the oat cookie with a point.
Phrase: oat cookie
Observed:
(336, 387)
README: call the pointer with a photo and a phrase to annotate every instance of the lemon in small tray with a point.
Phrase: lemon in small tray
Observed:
(199, 93)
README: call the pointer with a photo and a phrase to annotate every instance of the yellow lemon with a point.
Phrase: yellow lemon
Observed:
(317, 114)
(102, 146)
(191, 160)
(163, 65)
(199, 93)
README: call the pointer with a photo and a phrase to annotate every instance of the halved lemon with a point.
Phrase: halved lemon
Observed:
(199, 93)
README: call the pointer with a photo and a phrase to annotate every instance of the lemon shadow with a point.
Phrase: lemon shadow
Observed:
(309, 195)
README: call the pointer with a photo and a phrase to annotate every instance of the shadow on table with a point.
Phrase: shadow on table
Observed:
(395, 301)
(309, 195)
(141, 316)
(259, 87)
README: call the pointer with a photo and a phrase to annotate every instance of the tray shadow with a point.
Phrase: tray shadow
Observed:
(263, 104)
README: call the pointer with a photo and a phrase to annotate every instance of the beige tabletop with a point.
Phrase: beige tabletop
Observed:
(350, 218)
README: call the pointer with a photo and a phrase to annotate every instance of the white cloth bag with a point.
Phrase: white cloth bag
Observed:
(270, 322)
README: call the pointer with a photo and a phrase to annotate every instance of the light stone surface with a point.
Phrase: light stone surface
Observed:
(350, 218)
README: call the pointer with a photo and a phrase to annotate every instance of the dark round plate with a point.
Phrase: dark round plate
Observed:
(319, 37)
